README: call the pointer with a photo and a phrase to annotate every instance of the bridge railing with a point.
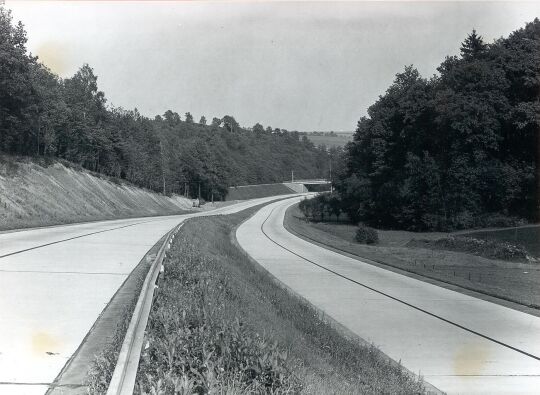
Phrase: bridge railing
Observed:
(312, 181)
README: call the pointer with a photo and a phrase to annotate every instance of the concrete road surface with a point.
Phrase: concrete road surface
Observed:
(54, 283)
(458, 343)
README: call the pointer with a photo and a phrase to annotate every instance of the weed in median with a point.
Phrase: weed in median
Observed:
(103, 364)
(195, 345)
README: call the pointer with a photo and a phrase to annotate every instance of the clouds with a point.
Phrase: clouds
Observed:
(298, 66)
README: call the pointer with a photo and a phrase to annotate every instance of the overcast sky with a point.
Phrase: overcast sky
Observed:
(304, 66)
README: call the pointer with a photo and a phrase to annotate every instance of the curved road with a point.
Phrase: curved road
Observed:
(54, 283)
(458, 343)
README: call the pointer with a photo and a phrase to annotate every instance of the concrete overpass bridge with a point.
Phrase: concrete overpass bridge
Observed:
(312, 185)
(243, 192)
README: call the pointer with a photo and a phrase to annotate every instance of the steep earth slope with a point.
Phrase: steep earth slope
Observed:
(34, 195)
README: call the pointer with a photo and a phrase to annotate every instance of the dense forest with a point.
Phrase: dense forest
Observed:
(457, 150)
(44, 115)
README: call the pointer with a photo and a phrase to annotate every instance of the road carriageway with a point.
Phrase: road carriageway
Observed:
(55, 282)
(458, 343)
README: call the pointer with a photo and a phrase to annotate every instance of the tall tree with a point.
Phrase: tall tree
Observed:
(258, 128)
(17, 96)
(51, 110)
(473, 46)
(171, 118)
(230, 124)
(85, 139)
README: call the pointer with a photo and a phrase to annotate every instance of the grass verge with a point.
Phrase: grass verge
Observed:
(221, 324)
(516, 282)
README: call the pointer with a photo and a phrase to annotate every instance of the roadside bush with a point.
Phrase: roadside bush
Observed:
(321, 207)
(366, 235)
(493, 249)
(461, 220)
(496, 220)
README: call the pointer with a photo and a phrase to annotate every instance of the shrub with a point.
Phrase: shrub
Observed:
(321, 206)
(366, 235)
(462, 220)
(496, 220)
(493, 249)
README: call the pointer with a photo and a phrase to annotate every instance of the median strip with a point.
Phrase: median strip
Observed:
(221, 324)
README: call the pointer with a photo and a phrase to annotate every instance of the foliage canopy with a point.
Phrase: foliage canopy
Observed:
(450, 151)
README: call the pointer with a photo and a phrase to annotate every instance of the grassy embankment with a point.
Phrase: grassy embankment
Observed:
(339, 139)
(40, 192)
(257, 191)
(517, 282)
(220, 324)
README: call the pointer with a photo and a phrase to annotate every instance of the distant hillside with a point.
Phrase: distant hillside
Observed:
(330, 139)
(36, 195)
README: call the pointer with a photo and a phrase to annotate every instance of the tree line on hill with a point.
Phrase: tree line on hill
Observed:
(457, 150)
(44, 115)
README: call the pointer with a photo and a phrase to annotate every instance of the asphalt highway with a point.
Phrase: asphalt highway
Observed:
(458, 343)
(54, 283)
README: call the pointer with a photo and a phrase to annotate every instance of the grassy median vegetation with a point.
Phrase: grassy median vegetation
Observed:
(220, 324)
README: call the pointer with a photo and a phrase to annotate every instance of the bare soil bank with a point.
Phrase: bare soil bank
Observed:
(33, 194)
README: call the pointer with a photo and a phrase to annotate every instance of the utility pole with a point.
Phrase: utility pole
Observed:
(162, 164)
(331, 175)
(330, 169)
(199, 192)
(292, 175)
(38, 128)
